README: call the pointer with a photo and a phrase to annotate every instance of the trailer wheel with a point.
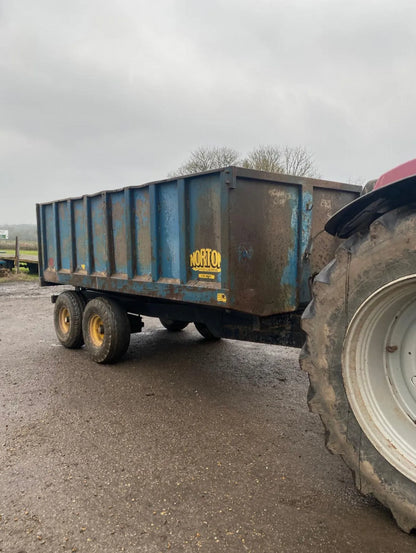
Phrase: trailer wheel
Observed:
(106, 329)
(69, 307)
(206, 332)
(172, 325)
(361, 358)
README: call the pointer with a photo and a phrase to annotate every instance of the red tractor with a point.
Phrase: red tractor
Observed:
(361, 342)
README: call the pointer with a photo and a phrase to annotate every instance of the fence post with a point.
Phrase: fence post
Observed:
(17, 256)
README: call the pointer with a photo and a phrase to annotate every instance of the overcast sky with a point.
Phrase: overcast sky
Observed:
(99, 94)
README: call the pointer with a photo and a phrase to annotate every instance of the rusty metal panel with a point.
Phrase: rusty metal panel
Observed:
(141, 233)
(98, 233)
(204, 211)
(326, 202)
(168, 232)
(264, 245)
(231, 238)
(63, 236)
(118, 233)
(80, 236)
(276, 222)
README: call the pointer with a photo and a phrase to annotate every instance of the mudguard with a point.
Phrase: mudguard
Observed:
(393, 189)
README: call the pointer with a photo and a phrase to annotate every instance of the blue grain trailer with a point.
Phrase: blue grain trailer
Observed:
(235, 251)
(229, 250)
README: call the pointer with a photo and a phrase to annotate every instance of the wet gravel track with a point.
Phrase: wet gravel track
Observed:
(182, 446)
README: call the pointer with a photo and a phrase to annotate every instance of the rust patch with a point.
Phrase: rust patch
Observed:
(391, 349)
(142, 228)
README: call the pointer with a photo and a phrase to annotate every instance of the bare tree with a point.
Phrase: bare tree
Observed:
(288, 160)
(297, 161)
(205, 158)
(265, 158)
(273, 159)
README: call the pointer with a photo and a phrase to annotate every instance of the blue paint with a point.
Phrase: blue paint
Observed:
(224, 240)
(42, 239)
(98, 234)
(89, 260)
(56, 236)
(119, 231)
(154, 232)
(130, 231)
(80, 228)
(139, 240)
(155, 289)
(168, 231)
(245, 253)
(141, 223)
(49, 228)
(183, 234)
(306, 234)
(290, 272)
(64, 236)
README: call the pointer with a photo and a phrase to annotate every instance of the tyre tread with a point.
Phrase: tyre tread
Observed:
(397, 493)
(117, 327)
(206, 333)
(173, 325)
(75, 303)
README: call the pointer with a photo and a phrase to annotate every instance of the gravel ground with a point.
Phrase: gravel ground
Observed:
(182, 446)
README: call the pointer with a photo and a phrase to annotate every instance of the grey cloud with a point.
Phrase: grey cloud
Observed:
(96, 94)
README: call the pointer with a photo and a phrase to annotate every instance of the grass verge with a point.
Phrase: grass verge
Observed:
(17, 277)
(22, 252)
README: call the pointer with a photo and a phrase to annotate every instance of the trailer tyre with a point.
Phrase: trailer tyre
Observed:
(360, 354)
(106, 329)
(172, 325)
(206, 332)
(69, 307)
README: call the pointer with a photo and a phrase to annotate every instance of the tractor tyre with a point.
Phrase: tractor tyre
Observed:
(360, 354)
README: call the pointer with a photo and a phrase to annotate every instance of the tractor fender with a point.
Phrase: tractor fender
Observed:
(393, 189)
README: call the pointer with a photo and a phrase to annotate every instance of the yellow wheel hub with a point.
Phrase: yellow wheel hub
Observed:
(96, 330)
(64, 320)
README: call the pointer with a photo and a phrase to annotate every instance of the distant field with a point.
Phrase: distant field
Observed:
(27, 246)
(22, 252)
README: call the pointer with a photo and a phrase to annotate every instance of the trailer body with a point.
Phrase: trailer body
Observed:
(234, 239)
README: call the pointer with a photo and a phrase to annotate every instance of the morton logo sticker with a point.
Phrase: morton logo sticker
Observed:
(206, 262)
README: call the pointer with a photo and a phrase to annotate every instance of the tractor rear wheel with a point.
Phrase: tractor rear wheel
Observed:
(361, 358)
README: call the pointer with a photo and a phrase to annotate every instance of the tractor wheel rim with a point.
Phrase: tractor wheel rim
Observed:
(379, 370)
(64, 320)
(96, 330)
